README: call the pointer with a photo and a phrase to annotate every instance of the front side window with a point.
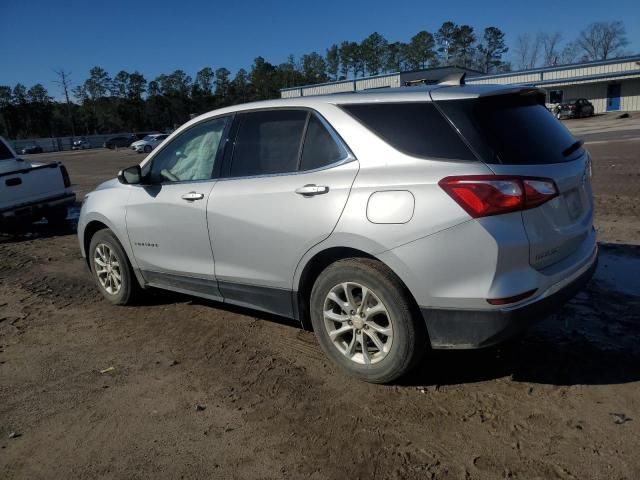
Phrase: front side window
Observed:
(5, 153)
(415, 128)
(320, 148)
(190, 156)
(268, 142)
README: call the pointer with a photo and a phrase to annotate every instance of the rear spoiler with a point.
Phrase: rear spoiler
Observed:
(452, 91)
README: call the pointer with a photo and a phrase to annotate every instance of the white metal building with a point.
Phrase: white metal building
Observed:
(611, 85)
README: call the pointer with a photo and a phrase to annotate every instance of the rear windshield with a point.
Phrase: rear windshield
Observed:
(417, 129)
(512, 129)
(5, 153)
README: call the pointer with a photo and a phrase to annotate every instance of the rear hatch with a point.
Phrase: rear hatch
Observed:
(514, 134)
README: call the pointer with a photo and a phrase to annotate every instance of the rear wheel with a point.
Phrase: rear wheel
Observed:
(111, 269)
(364, 320)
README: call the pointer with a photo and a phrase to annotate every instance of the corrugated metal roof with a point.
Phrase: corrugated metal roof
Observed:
(568, 66)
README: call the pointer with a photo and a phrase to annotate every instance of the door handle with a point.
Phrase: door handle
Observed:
(311, 190)
(191, 196)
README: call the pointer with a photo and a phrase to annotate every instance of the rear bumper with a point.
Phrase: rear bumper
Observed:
(469, 329)
(28, 211)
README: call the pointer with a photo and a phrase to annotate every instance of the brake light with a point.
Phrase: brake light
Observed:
(65, 176)
(485, 195)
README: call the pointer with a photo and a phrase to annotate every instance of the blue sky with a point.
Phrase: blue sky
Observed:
(160, 36)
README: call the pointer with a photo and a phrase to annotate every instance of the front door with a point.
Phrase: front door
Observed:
(613, 97)
(166, 217)
(286, 185)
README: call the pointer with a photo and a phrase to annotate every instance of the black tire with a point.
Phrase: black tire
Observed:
(129, 289)
(147, 148)
(409, 340)
(57, 217)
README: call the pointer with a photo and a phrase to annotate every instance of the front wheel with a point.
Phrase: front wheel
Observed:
(364, 320)
(147, 148)
(111, 269)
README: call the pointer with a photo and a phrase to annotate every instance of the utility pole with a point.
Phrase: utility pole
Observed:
(65, 83)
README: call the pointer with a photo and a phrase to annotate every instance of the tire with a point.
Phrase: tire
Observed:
(147, 148)
(402, 349)
(129, 289)
(57, 217)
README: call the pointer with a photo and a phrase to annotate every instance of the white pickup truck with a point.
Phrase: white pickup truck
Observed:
(30, 191)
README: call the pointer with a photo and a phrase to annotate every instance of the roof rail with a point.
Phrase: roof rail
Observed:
(453, 79)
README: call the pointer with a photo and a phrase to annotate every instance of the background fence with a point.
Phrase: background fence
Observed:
(58, 144)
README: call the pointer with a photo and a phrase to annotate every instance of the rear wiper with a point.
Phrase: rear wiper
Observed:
(574, 146)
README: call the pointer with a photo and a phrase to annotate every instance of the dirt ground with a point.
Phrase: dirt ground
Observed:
(202, 390)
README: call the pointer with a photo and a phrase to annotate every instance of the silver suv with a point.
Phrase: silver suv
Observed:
(387, 222)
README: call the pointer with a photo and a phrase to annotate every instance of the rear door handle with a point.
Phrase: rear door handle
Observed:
(311, 190)
(191, 196)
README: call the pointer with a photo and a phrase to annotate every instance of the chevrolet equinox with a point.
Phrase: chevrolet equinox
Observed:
(448, 216)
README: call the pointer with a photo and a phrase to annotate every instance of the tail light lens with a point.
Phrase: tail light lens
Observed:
(485, 195)
(65, 176)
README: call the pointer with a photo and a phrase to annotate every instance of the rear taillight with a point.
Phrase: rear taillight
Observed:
(65, 176)
(485, 195)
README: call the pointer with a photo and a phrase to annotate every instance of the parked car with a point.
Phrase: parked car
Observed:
(577, 108)
(149, 142)
(80, 145)
(141, 135)
(118, 142)
(29, 190)
(387, 222)
(33, 148)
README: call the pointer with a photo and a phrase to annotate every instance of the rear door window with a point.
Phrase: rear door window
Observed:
(268, 142)
(512, 129)
(417, 129)
(320, 148)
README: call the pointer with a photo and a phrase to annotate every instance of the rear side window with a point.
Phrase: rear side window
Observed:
(268, 142)
(320, 148)
(5, 153)
(512, 129)
(417, 129)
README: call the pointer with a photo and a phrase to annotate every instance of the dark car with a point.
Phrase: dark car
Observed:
(577, 108)
(119, 142)
(34, 148)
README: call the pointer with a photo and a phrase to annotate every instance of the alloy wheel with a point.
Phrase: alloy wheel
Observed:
(358, 323)
(108, 268)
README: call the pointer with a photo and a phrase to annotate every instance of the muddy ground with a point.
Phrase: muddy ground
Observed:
(563, 402)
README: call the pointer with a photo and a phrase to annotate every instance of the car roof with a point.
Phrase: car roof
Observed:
(401, 94)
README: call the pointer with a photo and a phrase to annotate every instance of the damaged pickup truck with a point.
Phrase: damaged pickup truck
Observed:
(30, 190)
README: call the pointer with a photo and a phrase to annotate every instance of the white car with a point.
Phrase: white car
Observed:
(30, 191)
(80, 145)
(149, 142)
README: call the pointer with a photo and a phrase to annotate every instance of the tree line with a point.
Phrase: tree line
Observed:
(129, 102)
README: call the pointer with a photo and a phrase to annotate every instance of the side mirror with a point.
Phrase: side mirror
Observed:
(130, 176)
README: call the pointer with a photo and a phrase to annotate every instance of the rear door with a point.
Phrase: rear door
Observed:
(286, 181)
(517, 135)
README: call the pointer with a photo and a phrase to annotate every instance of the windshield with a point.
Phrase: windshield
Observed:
(512, 129)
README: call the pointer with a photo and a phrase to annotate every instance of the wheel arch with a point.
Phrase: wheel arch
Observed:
(315, 265)
(90, 230)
